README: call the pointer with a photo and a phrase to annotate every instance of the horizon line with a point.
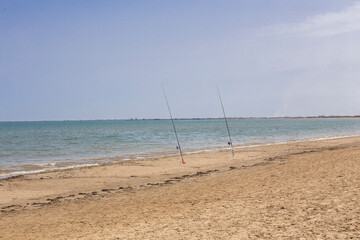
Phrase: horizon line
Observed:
(189, 118)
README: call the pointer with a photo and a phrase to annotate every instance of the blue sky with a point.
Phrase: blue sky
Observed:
(105, 59)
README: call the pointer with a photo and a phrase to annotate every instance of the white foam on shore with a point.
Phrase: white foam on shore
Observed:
(144, 156)
(329, 138)
(18, 173)
(217, 149)
(46, 164)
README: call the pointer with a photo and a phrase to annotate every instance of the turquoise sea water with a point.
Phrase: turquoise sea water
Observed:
(38, 146)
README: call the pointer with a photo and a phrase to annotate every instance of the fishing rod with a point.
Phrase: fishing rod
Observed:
(227, 126)
(172, 120)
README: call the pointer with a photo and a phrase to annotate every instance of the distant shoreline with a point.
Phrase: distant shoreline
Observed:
(218, 118)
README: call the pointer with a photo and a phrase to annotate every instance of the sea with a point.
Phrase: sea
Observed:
(31, 147)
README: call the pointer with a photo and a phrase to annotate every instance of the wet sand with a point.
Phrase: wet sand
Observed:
(286, 191)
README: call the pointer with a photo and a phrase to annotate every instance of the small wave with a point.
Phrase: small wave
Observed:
(17, 173)
(38, 166)
(4, 170)
(47, 164)
(336, 137)
(28, 166)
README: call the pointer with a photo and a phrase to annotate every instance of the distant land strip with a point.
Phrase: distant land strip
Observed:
(219, 118)
(200, 118)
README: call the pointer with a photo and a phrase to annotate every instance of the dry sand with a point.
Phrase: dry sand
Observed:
(306, 190)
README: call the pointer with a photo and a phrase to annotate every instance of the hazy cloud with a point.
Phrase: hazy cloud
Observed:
(93, 61)
(323, 25)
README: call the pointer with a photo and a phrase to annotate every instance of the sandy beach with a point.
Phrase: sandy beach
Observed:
(303, 190)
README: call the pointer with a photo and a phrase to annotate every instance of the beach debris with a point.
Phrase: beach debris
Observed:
(54, 199)
(11, 206)
(153, 184)
(38, 204)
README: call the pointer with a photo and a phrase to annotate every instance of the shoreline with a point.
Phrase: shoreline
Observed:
(167, 165)
(307, 189)
(87, 162)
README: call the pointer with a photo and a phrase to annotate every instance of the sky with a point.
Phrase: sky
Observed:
(78, 60)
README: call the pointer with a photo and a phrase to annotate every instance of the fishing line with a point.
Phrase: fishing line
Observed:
(173, 124)
(227, 126)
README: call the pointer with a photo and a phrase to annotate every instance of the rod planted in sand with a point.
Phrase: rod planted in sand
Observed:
(172, 120)
(227, 126)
